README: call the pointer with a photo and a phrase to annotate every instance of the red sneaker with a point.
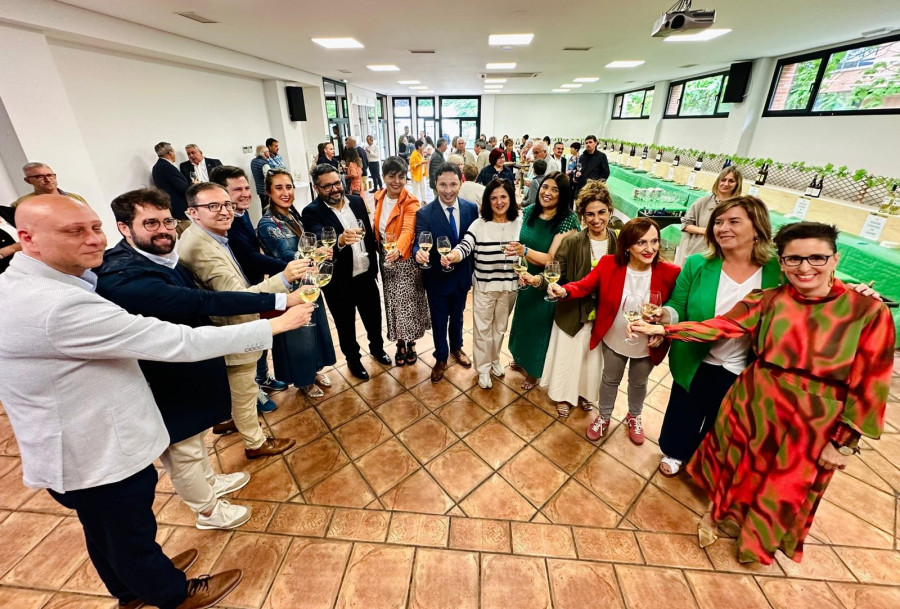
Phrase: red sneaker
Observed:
(597, 429)
(635, 429)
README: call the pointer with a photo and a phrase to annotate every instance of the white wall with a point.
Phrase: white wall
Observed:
(567, 116)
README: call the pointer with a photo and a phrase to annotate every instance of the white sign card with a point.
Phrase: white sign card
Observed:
(692, 178)
(873, 226)
(754, 191)
(653, 168)
(671, 175)
(800, 208)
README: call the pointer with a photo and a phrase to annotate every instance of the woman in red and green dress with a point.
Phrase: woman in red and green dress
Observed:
(820, 381)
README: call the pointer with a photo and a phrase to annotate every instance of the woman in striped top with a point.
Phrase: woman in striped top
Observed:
(494, 280)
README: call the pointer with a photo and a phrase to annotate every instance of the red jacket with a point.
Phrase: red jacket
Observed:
(608, 278)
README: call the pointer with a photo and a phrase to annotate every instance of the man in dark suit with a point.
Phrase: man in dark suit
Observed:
(198, 165)
(446, 216)
(354, 284)
(437, 159)
(167, 178)
(594, 165)
(9, 240)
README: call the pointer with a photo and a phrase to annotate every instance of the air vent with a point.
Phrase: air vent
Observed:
(509, 75)
(345, 71)
(688, 65)
(582, 49)
(422, 51)
(197, 18)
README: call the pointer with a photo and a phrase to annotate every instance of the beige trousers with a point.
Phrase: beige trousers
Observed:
(192, 476)
(490, 319)
(242, 379)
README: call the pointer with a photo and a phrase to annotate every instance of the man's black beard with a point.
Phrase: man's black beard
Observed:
(152, 248)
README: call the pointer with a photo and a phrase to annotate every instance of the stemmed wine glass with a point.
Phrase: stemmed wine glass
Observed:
(444, 248)
(390, 244)
(504, 247)
(309, 292)
(631, 309)
(329, 236)
(520, 267)
(308, 244)
(324, 275)
(551, 274)
(362, 238)
(425, 243)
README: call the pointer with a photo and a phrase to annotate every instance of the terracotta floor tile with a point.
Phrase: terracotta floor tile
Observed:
(12, 492)
(463, 378)
(305, 520)
(886, 470)
(873, 506)
(46, 504)
(410, 376)
(362, 434)
(7, 464)
(458, 470)
(798, 594)
(271, 483)
(21, 532)
(262, 512)
(533, 475)
(344, 488)
(859, 469)
(642, 459)
(836, 525)
(85, 581)
(494, 399)
(719, 591)
(494, 443)
(316, 460)
(525, 419)
(855, 596)
(497, 499)
(418, 493)
(419, 529)
(341, 408)
(386, 465)
(22, 599)
(435, 395)
(578, 585)
(303, 427)
(233, 459)
(579, 420)
(669, 550)
(481, 535)
(53, 560)
(538, 396)
(610, 480)
(514, 581)
(685, 490)
(258, 556)
(819, 562)
(376, 576)
(654, 510)
(401, 412)
(574, 504)
(643, 587)
(564, 447)
(379, 389)
(297, 586)
(542, 540)
(175, 512)
(872, 566)
(462, 415)
(209, 543)
(723, 555)
(606, 544)
(290, 402)
(444, 580)
(359, 525)
(64, 600)
(427, 438)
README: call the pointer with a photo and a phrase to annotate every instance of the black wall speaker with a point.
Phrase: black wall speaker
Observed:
(296, 105)
(738, 78)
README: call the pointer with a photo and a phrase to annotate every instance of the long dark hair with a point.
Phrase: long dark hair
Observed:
(563, 205)
(512, 212)
(352, 156)
(293, 216)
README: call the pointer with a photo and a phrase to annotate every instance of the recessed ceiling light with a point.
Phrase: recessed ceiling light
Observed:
(419, 87)
(489, 81)
(586, 79)
(493, 86)
(501, 66)
(624, 64)
(698, 37)
(384, 68)
(499, 40)
(561, 91)
(338, 43)
(570, 86)
(409, 82)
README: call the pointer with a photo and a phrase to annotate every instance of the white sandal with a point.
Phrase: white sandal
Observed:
(313, 391)
(674, 466)
(322, 379)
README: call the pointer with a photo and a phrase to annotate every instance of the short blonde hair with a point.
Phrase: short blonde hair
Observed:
(762, 228)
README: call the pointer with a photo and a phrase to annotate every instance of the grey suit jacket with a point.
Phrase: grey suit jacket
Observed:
(81, 410)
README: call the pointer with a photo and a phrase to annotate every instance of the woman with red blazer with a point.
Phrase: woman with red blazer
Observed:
(632, 273)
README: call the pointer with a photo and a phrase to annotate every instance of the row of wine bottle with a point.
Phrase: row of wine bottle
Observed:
(814, 189)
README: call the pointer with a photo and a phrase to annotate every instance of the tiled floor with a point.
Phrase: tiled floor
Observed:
(401, 493)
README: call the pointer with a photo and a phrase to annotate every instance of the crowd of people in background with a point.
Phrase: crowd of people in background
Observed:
(773, 359)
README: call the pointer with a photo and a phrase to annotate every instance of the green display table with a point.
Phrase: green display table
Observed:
(645, 180)
(622, 194)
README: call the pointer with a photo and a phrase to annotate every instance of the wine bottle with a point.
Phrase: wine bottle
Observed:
(888, 201)
(604, 146)
(644, 153)
(762, 174)
(658, 156)
(699, 164)
(632, 151)
(812, 187)
(817, 191)
(677, 160)
(727, 163)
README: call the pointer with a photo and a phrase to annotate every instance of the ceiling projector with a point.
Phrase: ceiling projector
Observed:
(680, 18)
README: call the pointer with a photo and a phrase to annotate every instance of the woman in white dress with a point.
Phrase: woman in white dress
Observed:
(694, 222)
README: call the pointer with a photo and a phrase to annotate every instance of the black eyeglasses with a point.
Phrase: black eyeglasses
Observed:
(814, 260)
(217, 207)
(331, 186)
(152, 224)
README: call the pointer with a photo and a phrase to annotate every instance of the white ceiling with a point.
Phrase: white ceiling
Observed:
(280, 30)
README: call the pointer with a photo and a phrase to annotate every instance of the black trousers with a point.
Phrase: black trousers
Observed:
(359, 293)
(690, 415)
(375, 172)
(120, 531)
(446, 322)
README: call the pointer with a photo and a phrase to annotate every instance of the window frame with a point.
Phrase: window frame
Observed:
(683, 82)
(824, 55)
(621, 106)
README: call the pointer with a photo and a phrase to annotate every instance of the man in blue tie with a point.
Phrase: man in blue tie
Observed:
(447, 216)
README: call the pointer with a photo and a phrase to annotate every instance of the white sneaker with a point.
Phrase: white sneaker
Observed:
(497, 369)
(484, 380)
(224, 516)
(228, 483)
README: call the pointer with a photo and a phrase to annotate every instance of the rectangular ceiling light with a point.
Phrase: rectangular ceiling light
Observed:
(501, 66)
(586, 79)
(561, 91)
(624, 64)
(570, 86)
(409, 82)
(384, 68)
(491, 81)
(493, 86)
(699, 36)
(501, 40)
(418, 87)
(338, 43)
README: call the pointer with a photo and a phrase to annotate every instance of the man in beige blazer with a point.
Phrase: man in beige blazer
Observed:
(204, 249)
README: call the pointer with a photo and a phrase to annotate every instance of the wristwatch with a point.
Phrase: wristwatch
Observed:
(845, 450)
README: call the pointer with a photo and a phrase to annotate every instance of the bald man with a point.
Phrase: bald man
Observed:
(82, 412)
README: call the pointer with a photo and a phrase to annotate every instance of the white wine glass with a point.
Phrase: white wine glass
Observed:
(308, 244)
(631, 309)
(520, 267)
(425, 243)
(309, 292)
(444, 248)
(551, 274)
(361, 227)
(320, 253)
(390, 244)
(329, 236)
(324, 275)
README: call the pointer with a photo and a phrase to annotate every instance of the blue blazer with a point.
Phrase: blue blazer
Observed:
(246, 246)
(167, 178)
(317, 215)
(433, 218)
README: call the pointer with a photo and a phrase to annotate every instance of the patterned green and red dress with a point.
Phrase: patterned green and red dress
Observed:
(822, 372)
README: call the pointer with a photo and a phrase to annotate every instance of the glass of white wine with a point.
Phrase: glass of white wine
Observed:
(308, 244)
(309, 291)
(444, 248)
(390, 244)
(319, 254)
(652, 307)
(425, 243)
(361, 226)
(520, 267)
(329, 236)
(551, 274)
(631, 309)
(324, 274)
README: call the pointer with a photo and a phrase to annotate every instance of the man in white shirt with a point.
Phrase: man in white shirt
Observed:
(374, 154)
(556, 162)
(197, 168)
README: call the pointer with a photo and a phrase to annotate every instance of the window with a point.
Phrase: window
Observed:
(698, 97)
(425, 107)
(402, 117)
(459, 107)
(460, 116)
(634, 104)
(852, 79)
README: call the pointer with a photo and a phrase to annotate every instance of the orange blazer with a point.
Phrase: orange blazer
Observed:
(401, 221)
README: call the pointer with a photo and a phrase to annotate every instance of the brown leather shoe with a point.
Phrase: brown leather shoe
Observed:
(437, 373)
(272, 446)
(461, 358)
(223, 429)
(207, 590)
(182, 562)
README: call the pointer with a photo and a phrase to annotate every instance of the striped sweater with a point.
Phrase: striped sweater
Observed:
(493, 270)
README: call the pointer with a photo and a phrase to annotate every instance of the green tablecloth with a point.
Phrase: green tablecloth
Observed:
(645, 180)
(623, 200)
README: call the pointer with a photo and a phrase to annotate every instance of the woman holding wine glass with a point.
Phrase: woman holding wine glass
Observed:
(624, 282)
(394, 223)
(299, 355)
(495, 284)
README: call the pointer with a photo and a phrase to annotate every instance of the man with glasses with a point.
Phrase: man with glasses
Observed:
(204, 249)
(354, 284)
(42, 179)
